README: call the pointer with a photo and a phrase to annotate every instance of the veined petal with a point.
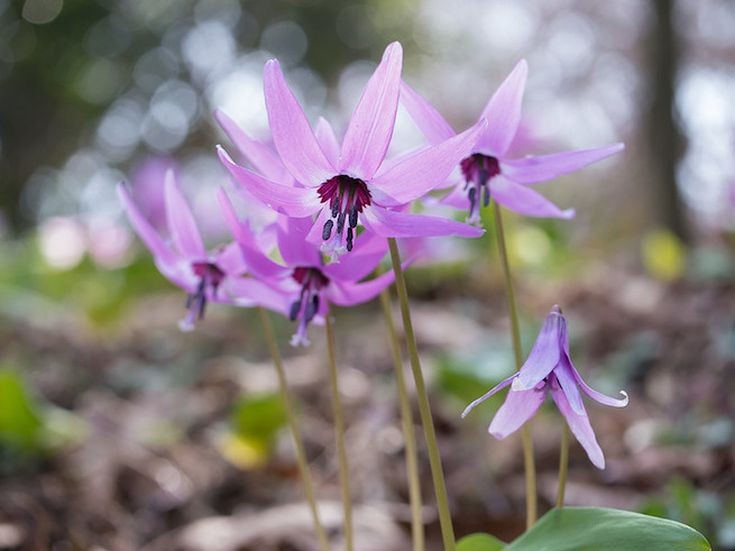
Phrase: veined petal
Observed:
(524, 200)
(580, 426)
(292, 243)
(360, 262)
(294, 201)
(433, 126)
(563, 373)
(349, 294)
(371, 126)
(327, 140)
(544, 355)
(145, 231)
(530, 170)
(500, 386)
(257, 262)
(519, 407)
(389, 223)
(426, 169)
(292, 134)
(181, 223)
(261, 155)
(503, 112)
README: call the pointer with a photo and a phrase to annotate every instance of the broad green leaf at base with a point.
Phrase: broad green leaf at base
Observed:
(480, 542)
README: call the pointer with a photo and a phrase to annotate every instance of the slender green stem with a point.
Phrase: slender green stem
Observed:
(339, 432)
(293, 424)
(528, 459)
(437, 474)
(409, 436)
(563, 465)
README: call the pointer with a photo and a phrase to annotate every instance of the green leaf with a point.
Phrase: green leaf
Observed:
(593, 529)
(20, 421)
(259, 417)
(480, 542)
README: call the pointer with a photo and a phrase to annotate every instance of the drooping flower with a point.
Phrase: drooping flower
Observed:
(304, 285)
(185, 262)
(488, 172)
(349, 184)
(549, 369)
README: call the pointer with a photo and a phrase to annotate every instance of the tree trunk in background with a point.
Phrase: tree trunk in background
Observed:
(664, 135)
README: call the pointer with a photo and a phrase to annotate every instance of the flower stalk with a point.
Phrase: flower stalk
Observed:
(563, 465)
(339, 431)
(437, 474)
(526, 439)
(409, 436)
(301, 459)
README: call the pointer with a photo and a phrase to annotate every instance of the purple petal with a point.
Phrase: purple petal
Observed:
(291, 131)
(249, 292)
(530, 170)
(433, 126)
(262, 156)
(350, 294)
(257, 262)
(361, 261)
(503, 112)
(519, 407)
(524, 200)
(371, 126)
(580, 426)
(327, 140)
(598, 396)
(231, 261)
(181, 224)
(500, 386)
(544, 355)
(456, 198)
(564, 374)
(389, 223)
(292, 243)
(294, 201)
(421, 172)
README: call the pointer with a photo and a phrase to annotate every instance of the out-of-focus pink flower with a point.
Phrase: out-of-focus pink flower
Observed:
(549, 369)
(304, 286)
(348, 184)
(489, 172)
(146, 183)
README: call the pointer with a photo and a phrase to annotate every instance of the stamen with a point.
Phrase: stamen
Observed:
(347, 198)
(210, 278)
(306, 306)
(327, 230)
(478, 170)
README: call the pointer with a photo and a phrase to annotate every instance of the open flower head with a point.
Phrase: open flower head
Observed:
(302, 285)
(343, 186)
(488, 172)
(549, 369)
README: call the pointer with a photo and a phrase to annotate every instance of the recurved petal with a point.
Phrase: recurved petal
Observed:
(260, 155)
(426, 169)
(432, 125)
(544, 355)
(564, 374)
(292, 134)
(500, 386)
(580, 426)
(371, 126)
(181, 223)
(327, 140)
(519, 407)
(599, 397)
(344, 293)
(524, 200)
(503, 112)
(530, 170)
(292, 243)
(293, 201)
(389, 223)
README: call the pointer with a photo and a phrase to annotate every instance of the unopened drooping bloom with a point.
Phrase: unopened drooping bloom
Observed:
(488, 172)
(303, 285)
(349, 184)
(549, 369)
(185, 262)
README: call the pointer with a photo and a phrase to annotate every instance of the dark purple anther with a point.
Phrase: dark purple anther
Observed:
(478, 170)
(306, 306)
(210, 277)
(347, 197)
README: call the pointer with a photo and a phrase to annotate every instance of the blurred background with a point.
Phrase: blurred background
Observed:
(119, 432)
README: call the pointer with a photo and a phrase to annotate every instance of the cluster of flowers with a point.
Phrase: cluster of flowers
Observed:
(331, 207)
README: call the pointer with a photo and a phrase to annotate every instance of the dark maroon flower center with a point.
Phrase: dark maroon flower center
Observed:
(210, 278)
(306, 306)
(478, 170)
(347, 197)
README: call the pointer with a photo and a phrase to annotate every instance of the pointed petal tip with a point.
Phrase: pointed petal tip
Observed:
(556, 309)
(568, 214)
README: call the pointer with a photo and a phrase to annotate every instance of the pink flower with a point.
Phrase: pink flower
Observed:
(349, 184)
(303, 286)
(488, 172)
(185, 261)
(549, 369)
